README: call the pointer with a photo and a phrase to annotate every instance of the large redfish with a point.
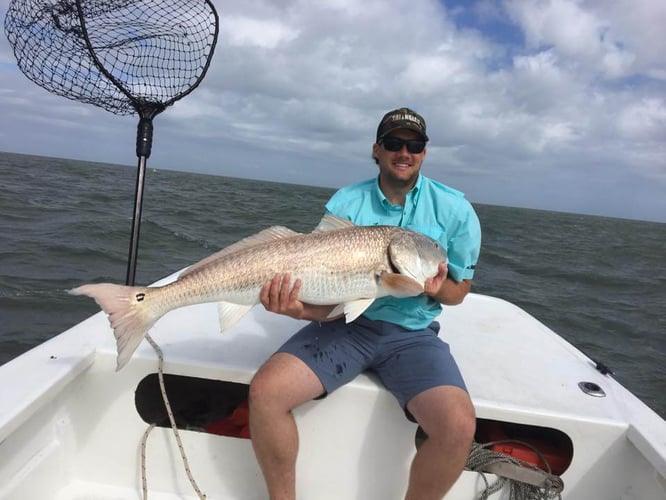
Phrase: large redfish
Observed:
(338, 263)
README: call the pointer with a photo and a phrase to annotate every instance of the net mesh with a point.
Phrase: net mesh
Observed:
(126, 56)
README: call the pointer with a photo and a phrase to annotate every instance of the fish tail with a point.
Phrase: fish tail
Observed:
(129, 315)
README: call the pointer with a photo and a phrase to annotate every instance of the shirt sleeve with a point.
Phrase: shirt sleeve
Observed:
(344, 205)
(464, 244)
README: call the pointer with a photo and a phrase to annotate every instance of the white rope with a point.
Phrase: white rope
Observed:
(144, 478)
(483, 460)
(174, 428)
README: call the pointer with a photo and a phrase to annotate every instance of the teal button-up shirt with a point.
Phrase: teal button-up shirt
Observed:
(431, 208)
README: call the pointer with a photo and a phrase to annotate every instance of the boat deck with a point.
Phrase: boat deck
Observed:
(71, 420)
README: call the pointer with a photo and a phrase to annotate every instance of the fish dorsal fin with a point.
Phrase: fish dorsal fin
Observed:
(270, 234)
(331, 222)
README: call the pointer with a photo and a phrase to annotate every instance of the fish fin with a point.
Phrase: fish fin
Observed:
(129, 316)
(230, 314)
(269, 234)
(355, 308)
(331, 222)
(337, 311)
(399, 285)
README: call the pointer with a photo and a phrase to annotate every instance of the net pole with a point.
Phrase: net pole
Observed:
(144, 142)
(136, 222)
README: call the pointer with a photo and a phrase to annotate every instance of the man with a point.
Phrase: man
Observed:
(424, 377)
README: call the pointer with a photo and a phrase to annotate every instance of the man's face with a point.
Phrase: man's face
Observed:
(400, 166)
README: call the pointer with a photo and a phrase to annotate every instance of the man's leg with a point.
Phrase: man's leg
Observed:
(283, 383)
(447, 416)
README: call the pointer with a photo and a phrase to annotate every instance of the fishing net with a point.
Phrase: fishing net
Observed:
(126, 56)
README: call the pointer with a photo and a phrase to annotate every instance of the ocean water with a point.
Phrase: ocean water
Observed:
(599, 282)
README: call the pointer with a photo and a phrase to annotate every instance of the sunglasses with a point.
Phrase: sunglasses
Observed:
(396, 144)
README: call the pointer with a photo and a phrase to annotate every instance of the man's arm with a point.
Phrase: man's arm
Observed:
(445, 289)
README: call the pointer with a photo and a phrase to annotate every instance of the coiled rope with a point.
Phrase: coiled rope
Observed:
(524, 480)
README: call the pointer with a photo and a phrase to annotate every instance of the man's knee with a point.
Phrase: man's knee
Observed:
(260, 389)
(283, 382)
(457, 429)
(464, 426)
(446, 414)
(265, 385)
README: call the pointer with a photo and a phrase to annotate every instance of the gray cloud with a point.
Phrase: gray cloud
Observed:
(554, 104)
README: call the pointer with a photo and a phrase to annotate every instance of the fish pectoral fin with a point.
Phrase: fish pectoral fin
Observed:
(355, 308)
(399, 285)
(230, 314)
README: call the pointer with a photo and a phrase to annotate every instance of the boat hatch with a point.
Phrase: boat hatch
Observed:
(544, 447)
(204, 405)
(220, 407)
(549, 449)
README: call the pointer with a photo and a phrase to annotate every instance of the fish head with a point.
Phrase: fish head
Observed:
(415, 255)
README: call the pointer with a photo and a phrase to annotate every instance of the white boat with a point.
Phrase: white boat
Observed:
(71, 427)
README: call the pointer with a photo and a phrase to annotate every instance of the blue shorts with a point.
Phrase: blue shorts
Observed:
(407, 362)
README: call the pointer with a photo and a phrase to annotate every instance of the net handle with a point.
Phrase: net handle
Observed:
(136, 222)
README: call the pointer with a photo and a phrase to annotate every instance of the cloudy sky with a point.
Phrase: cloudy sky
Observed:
(552, 104)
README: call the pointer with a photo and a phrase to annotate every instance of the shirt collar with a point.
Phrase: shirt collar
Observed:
(412, 195)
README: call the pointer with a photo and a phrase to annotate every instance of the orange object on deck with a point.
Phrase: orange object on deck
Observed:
(236, 424)
(557, 461)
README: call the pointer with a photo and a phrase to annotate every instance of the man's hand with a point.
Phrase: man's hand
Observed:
(277, 296)
(444, 289)
(432, 285)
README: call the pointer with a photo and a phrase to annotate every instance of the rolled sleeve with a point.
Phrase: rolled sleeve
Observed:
(464, 244)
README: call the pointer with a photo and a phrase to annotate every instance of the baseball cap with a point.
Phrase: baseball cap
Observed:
(401, 118)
